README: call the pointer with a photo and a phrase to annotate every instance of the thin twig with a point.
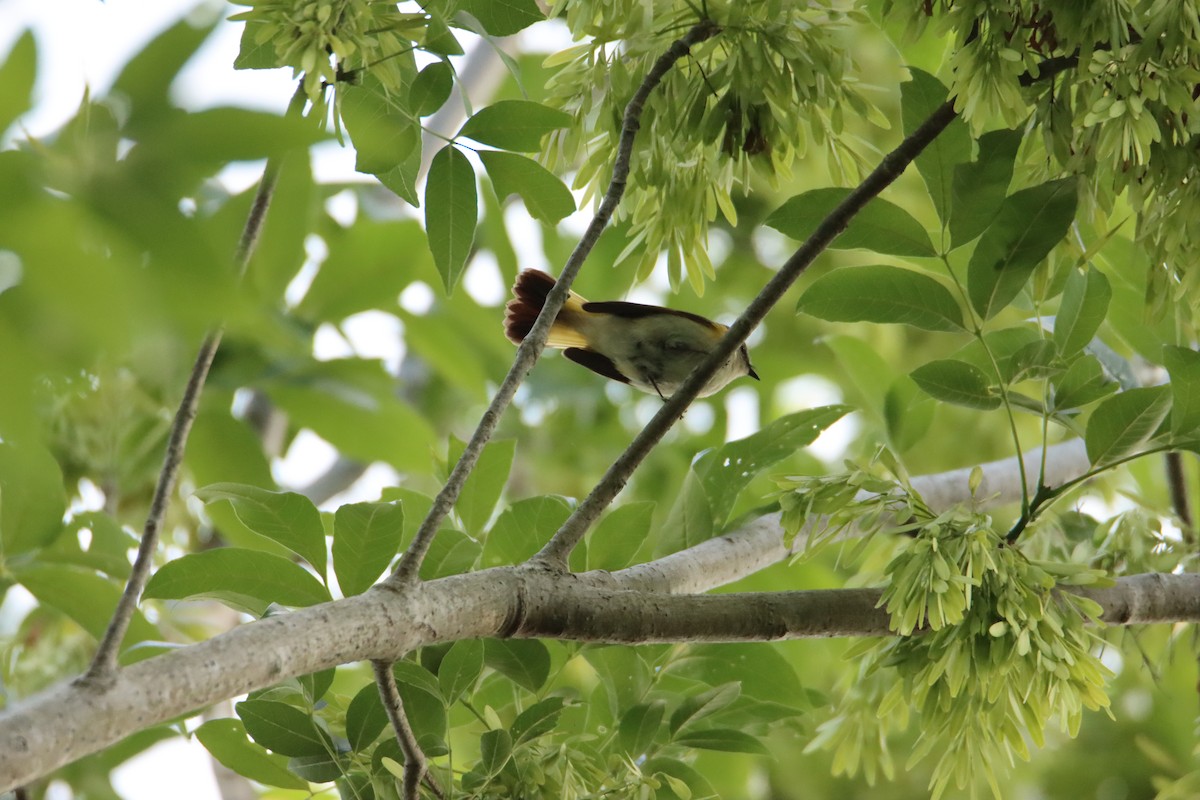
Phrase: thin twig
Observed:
(104, 663)
(556, 551)
(535, 341)
(416, 768)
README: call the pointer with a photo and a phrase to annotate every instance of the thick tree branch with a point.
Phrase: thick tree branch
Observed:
(759, 543)
(535, 341)
(104, 663)
(555, 553)
(70, 721)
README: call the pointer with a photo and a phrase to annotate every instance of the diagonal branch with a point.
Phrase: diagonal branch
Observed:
(535, 341)
(104, 663)
(416, 768)
(556, 551)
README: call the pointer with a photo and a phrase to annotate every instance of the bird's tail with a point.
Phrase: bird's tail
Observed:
(529, 295)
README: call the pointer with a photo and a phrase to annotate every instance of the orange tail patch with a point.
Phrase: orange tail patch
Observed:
(529, 295)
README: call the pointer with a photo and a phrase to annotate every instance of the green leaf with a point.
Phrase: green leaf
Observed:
(517, 125)
(32, 499)
(318, 768)
(761, 670)
(545, 196)
(285, 517)
(482, 489)
(697, 707)
(639, 726)
(867, 373)
(383, 131)
(882, 294)
(981, 186)
(243, 579)
(523, 528)
(1084, 306)
(460, 668)
(450, 213)
(881, 226)
(17, 75)
(87, 598)
(217, 136)
(1027, 227)
(1084, 382)
(956, 382)
(1036, 360)
(614, 543)
(1124, 422)
(225, 740)
(526, 662)
(691, 519)
(495, 748)
(503, 17)
(351, 403)
(907, 412)
(427, 715)
(279, 253)
(314, 685)
(402, 179)
(452, 553)
(253, 54)
(726, 471)
(413, 674)
(431, 88)
(724, 740)
(537, 720)
(366, 536)
(439, 39)
(147, 77)
(283, 728)
(365, 718)
(919, 99)
(363, 270)
(107, 550)
(1183, 365)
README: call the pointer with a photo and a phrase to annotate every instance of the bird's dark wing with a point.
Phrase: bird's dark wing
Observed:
(620, 308)
(596, 362)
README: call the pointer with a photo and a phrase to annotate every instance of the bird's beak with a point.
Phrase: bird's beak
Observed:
(752, 373)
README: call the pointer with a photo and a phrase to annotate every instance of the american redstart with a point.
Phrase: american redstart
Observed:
(650, 347)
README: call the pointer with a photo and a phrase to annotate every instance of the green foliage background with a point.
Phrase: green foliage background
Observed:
(1070, 198)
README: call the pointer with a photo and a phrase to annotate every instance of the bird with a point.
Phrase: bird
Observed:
(648, 347)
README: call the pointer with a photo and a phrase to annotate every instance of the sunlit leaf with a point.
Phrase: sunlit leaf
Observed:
(514, 125)
(956, 382)
(545, 196)
(285, 517)
(283, 728)
(1084, 306)
(366, 536)
(1124, 422)
(981, 186)
(450, 213)
(244, 579)
(919, 99)
(503, 17)
(880, 226)
(882, 294)
(1027, 227)
(226, 741)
